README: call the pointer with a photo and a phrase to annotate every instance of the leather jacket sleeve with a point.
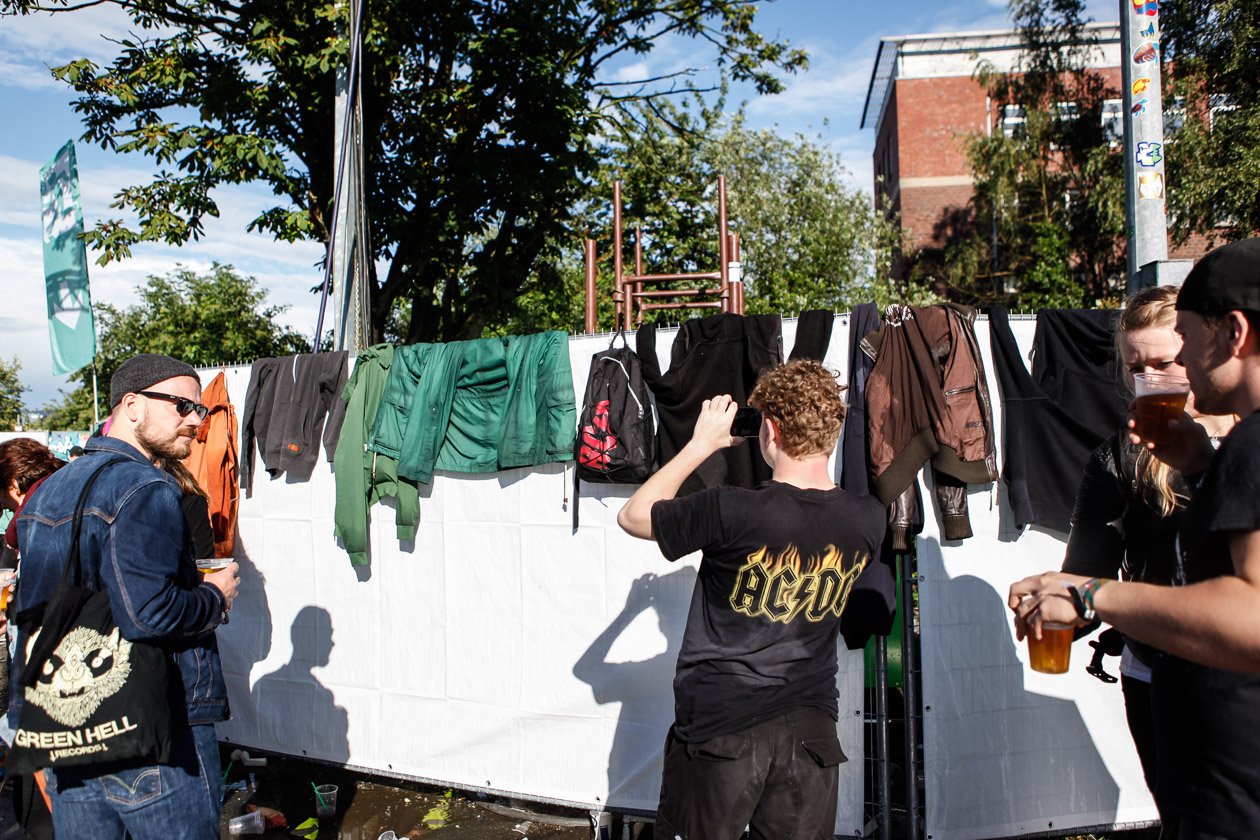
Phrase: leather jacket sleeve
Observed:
(1096, 542)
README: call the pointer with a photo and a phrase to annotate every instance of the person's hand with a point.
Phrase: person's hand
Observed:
(713, 426)
(1187, 448)
(1042, 598)
(226, 581)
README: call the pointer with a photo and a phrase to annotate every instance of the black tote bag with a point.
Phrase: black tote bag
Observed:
(89, 695)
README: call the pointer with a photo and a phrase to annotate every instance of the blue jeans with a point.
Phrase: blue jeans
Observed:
(175, 801)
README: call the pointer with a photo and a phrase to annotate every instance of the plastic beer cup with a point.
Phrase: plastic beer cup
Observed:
(1160, 398)
(1050, 653)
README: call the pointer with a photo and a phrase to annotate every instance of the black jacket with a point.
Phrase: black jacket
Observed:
(1116, 531)
(285, 409)
(720, 354)
(1055, 416)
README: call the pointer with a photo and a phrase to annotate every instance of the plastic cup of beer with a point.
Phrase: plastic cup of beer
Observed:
(8, 577)
(1050, 653)
(212, 564)
(1160, 397)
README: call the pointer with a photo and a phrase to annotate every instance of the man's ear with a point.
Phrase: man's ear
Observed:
(1240, 334)
(130, 406)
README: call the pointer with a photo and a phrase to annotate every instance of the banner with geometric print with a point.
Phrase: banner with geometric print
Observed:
(71, 327)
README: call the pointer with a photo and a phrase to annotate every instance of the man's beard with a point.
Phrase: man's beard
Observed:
(176, 448)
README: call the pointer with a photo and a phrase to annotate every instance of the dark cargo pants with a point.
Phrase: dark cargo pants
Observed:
(779, 778)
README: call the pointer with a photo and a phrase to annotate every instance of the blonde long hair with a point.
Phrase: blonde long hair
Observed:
(1151, 309)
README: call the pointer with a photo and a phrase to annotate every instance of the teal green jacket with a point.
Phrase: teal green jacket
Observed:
(364, 477)
(477, 406)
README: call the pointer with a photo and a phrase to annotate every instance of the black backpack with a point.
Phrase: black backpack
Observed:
(616, 435)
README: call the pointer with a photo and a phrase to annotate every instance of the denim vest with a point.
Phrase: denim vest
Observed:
(135, 544)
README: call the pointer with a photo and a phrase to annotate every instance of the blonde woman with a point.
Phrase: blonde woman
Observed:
(1130, 505)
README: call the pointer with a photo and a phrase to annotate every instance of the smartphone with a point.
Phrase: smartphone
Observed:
(747, 422)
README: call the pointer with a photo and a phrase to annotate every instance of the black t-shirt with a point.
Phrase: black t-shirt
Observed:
(1209, 744)
(778, 565)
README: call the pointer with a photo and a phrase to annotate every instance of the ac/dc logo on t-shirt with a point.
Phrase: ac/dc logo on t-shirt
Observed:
(785, 586)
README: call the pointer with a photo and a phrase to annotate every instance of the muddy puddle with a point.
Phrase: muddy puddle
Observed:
(367, 807)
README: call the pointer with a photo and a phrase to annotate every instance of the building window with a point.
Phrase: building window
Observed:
(1218, 104)
(1067, 111)
(1012, 120)
(1174, 118)
(1113, 121)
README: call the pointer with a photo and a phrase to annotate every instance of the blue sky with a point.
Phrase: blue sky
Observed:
(841, 37)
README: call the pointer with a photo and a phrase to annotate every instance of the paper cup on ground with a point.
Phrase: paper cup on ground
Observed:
(1050, 654)
(325, 801)
(1160, 398)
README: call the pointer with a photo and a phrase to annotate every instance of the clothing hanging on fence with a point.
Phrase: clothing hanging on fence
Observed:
(927, 401)
(720, 354)
(214, 463)
(1058, 414)
(477, 406)
(290, 400)
(364, 477)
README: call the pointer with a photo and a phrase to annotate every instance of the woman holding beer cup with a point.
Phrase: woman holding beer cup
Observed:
(1130, 504)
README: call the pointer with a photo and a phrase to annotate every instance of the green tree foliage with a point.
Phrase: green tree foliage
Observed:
(808, 239)
(1209, 52)
(1046, 220)
(477, 119)
(11, 390)
(202, 319)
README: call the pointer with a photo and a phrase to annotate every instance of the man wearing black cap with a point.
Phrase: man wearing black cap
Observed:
(135, 545)
(1206, 688)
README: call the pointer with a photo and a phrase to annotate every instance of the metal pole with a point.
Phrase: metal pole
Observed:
(882, 784)
(910, 676)
(96, 400)
(590, 286)
(736, 276)
(723, 247)
(619, 290)
(346, 130)
(1146, 219)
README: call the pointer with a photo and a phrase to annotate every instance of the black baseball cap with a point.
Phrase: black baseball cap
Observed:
(1224, 280)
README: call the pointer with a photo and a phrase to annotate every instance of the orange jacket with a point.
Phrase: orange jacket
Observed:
(213, 462)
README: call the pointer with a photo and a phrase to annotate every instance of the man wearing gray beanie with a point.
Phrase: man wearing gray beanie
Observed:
(135, 545)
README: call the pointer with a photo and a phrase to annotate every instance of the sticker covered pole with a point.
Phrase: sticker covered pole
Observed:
(1146, 219)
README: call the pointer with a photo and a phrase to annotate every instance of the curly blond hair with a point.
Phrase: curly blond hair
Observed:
(804, 400)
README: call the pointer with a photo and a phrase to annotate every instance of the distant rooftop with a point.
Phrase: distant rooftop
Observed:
(956, 54)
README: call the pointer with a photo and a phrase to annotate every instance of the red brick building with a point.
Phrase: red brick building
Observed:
(923, 101)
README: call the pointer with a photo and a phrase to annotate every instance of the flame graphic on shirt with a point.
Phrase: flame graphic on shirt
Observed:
(784, 586)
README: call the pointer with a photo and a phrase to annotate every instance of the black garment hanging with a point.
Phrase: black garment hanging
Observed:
(720, 354)
(1054, 417)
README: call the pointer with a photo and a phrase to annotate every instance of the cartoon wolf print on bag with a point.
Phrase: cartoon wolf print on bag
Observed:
(85, 669)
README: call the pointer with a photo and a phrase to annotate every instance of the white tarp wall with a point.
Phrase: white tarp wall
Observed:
(500, 651)
(1009, 751)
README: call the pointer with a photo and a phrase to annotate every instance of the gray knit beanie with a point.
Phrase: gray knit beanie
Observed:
(143, 371)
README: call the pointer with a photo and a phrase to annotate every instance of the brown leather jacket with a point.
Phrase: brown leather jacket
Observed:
(927, 400)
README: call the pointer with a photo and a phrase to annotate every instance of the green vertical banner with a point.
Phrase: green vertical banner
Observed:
(71, 328)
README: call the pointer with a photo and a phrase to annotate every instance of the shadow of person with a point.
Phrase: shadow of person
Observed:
(296, 713)
(243, 643)
(643, 688)
(997, 753)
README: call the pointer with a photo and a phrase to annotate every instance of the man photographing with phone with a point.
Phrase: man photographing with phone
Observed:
(754, 738)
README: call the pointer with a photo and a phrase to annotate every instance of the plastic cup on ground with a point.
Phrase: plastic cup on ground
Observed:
(1160, 397)
(325, 801)
(1050, 654)
(252, 823)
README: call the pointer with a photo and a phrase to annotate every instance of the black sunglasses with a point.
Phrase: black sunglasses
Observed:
(183, 405)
